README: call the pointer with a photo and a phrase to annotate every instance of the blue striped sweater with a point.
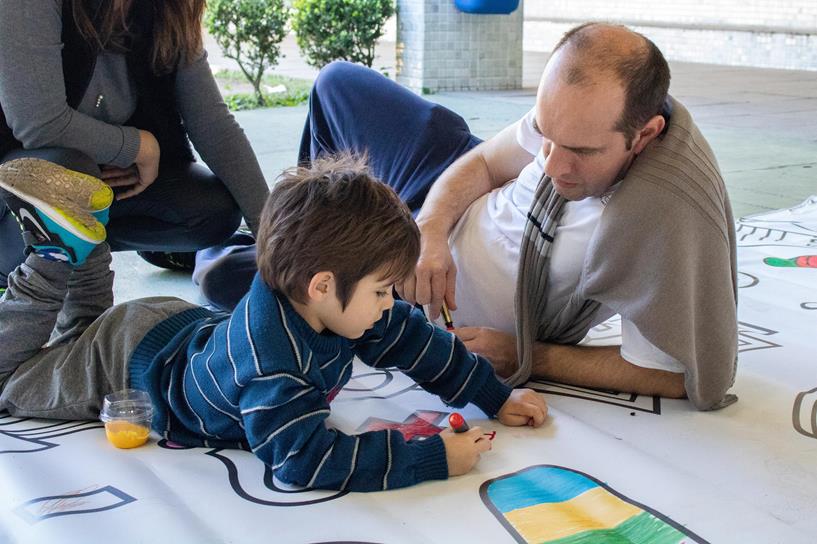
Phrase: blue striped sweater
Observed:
(261, 378)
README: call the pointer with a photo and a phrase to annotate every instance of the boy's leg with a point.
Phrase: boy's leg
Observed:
(89, 294)
(61, 212)
(29, 309)
(12, 247)
(69, 381)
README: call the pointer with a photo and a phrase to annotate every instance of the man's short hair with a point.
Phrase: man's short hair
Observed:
(334, 216)
(643, 72)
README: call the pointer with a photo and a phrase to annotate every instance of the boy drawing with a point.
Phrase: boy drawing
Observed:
(332, 243)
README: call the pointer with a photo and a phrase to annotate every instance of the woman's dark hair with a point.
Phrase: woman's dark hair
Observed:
(177, 35)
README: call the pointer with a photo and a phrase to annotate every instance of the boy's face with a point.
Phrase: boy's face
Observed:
(372, 296)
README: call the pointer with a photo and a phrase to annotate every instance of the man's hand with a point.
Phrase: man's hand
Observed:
(435, 277)
(462, 450)
(144, 171)
(498, 347)
(523, 407)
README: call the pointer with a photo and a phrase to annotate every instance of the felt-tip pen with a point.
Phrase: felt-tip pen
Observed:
(458, 423)
(449, 323)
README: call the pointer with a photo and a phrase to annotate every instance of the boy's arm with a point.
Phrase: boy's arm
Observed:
(284, 418)
(436, 359)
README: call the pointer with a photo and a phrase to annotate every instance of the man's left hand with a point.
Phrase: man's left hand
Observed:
(498, 347)
(523, 407)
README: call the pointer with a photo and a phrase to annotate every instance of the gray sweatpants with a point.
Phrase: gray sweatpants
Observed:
(90, 341)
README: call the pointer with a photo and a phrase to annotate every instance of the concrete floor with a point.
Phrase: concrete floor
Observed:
(761, 123)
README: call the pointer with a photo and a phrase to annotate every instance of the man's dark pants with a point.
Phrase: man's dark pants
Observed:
(409, 141)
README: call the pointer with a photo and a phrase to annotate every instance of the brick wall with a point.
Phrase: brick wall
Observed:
(768, 33)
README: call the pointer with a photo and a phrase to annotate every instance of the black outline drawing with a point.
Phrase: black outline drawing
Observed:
(70, 499)
(808, 305)
(604, 332)
(38, 432)
(751, 232)
(748, 337)
(269, 482)
(388, 378)
(630, 401)
(753, 280)
(483, 493)
(799, 410)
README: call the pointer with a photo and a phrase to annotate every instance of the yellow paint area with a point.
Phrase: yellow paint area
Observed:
(594, 509)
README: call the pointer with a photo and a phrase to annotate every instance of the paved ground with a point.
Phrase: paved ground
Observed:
(761, 123)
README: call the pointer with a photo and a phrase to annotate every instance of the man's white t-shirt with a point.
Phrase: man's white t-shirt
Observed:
(486, 241)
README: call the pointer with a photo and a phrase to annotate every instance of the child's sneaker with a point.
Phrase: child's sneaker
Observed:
(58, 209)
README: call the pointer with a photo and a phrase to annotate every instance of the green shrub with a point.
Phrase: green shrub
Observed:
(250, 33)
(328, 30)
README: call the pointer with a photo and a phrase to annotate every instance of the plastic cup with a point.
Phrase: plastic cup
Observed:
(127, 415)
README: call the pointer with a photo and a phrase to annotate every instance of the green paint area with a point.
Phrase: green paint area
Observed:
(641, 529)
(803, 261)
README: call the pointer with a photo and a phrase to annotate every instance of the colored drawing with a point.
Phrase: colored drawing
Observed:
(69, 504)
(27, 435)
(804, 414)
(420, 424)
(549, 504)
(803, 261)
(630, 401)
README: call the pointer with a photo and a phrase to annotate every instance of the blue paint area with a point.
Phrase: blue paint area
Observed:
(536, 486)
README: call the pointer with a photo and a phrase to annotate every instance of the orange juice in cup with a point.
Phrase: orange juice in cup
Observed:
(127, 415)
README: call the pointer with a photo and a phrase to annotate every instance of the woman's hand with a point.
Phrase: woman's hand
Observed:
(141, 174)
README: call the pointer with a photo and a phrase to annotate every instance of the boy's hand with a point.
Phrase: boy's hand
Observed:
(462, 450)
(523, 407)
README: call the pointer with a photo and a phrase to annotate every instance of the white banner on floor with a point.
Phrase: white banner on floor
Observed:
(650, 469)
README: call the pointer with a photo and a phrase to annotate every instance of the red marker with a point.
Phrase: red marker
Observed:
(458, 423)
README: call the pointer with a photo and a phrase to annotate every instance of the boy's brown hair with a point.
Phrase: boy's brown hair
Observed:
(335, 216)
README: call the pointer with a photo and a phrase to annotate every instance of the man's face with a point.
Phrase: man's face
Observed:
(584, 154)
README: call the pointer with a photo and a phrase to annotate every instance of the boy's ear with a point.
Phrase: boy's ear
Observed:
(321, 286)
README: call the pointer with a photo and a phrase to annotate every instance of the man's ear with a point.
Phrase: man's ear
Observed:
(321, 286)
(649, 132)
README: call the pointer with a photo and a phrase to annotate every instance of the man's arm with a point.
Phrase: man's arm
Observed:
(596, 367)
(486, 167)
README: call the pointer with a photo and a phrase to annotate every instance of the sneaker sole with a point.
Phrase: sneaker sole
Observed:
(34, 180)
